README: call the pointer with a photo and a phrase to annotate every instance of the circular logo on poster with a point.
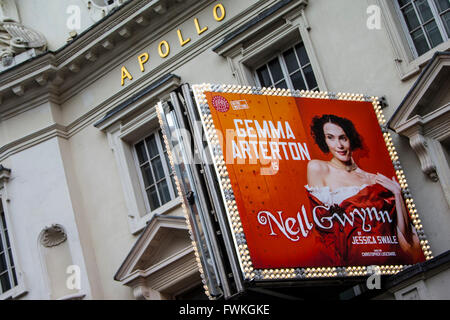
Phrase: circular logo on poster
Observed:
(220, 104)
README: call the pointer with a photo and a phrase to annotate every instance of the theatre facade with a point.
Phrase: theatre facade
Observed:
(110, 184)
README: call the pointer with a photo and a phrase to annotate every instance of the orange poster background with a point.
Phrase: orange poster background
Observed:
(284, 191)
(374, 156)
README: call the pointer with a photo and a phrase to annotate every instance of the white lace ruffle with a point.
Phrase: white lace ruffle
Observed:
(328, 197)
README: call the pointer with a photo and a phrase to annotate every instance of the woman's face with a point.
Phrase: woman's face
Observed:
(337, 142)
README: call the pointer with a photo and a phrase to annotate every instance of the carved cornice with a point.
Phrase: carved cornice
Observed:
(33, 139)
(285, 9)
(154, 226)
(150, 283)
(407, 108)
(430, 124)
(103, 45)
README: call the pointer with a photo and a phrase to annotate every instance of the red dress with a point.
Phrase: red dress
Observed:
(359, 230)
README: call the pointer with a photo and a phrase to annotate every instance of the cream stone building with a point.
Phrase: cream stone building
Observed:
(89, 206)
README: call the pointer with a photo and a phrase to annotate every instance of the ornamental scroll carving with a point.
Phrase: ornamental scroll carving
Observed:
(98, 9)
(53, 236)
(420, 146)
(14, 36)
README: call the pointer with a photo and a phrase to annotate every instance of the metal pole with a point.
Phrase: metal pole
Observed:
(203, 207)
(211, 178)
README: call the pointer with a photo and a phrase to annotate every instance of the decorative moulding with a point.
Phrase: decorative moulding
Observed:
(16, 39)
(4, 174)
(53, 236)
(252, 27)
(420, 128)
(157, 224)
(420, 147)
(88, 47)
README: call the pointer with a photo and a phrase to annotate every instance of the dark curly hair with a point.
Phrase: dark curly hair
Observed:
(346, 125)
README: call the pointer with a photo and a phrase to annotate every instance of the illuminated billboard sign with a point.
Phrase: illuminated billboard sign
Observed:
(311, 182)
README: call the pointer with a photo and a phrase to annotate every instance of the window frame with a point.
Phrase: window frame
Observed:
(437, 17)
(20, 288)
(286, 74)
(122, 139)
(126, 127)
(292, 26)
(11, 269)
(406, 63)
(168, 174)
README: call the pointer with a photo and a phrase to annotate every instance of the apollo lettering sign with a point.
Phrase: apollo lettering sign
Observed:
(164, 47)
(309, 184)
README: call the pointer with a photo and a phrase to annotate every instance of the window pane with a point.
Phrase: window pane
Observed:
(151, 146)
(411, 19)
(424, 10)
(281, 85)
(442, 5)
(11, 260)
(1, 245)
(15, 277)
(403, 2)
(141, 153)
(310, 78)
(163, 144)
(275, 70)
(420, 42)
(446, 21)
(291, 60)
(169, 166)
(8, 244)
(153, 198)
(147, 175)
(433, 33)
(172, 179)
(302, 55)
(4, 282)
(297, 81)
(158, 168)
(164, 192)
(3, 265)
(2, 218)
(264, 77)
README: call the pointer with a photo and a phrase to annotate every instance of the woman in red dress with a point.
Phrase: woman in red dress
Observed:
(360, 217)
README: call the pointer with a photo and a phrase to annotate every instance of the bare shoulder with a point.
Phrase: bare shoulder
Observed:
(318, 167)
(370, 178)
(317, 171)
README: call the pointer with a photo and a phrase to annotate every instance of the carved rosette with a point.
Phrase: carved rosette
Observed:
(53, 236)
